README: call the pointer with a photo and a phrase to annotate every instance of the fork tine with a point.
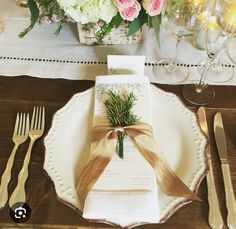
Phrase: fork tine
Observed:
(36, 118)
(20, 124)
(43, 120)
(39, 118)
(27, 124)
(16, 124)
(22, 131)
(33, 118)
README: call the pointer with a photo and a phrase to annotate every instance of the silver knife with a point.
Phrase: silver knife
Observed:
(214, 218)
(222, 150)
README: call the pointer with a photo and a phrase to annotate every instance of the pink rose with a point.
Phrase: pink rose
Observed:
(153, 7)
(46, 19)
(121, 4)
(131, 12)
(55, 18)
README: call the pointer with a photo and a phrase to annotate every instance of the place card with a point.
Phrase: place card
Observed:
(125, 64)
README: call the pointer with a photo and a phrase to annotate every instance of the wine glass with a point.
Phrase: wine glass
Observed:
(200, 92)
(231, 51)
(219, 70)
(182, 20)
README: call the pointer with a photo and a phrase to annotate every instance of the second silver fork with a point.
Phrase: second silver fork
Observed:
(20, 135)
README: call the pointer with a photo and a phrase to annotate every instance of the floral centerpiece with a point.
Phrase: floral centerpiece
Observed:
(105, 21)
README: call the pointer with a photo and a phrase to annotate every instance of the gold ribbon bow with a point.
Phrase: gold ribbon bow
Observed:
(104, 145)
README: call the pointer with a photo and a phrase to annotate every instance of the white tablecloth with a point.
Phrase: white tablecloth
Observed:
(42, 54)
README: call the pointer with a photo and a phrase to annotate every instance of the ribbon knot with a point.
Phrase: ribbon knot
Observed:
(104, 146)
(119, 129)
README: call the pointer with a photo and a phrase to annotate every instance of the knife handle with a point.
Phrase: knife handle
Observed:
(214, 218)
(230, 199)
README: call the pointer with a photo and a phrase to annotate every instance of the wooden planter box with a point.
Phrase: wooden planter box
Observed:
(87, 35)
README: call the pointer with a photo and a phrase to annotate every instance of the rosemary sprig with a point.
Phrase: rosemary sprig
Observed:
(119, 113)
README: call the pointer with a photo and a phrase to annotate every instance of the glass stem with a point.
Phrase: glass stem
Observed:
(219, 57)
(174, 60)
(201, 85)
(177, 48)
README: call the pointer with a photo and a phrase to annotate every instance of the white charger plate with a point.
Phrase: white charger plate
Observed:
(175, 128)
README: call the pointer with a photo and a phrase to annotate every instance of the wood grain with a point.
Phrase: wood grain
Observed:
(22, 93)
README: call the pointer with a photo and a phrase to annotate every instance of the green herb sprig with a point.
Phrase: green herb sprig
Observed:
(119, 113)
(45, 8)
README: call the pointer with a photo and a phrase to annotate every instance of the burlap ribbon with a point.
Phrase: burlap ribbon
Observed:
(104, 145)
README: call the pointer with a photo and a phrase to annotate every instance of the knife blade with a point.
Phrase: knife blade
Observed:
(222, 151)
(214, 218)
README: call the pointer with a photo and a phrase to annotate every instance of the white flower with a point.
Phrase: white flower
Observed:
(107, 10)
(67, 3)
(90, 12)
(86, 11)
(74, 13)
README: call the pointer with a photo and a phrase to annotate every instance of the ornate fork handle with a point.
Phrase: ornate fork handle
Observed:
(6, 177)
(20, 135)
(18, 194)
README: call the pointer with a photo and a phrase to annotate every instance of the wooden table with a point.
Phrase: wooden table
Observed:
(20, 94)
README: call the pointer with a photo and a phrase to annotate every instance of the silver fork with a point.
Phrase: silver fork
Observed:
(20, 135)
(36, 131)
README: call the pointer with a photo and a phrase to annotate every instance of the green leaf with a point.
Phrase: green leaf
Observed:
(33, 10)
(33, 19)
(150, 23)
(60, 24)
(157, 25)
(138, 22)
(114, 23)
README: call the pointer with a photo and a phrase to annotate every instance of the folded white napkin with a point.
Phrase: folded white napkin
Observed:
(126, 193)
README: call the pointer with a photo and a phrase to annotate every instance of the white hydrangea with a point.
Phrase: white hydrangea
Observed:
(89, 12)
(67, 3)
(70, 8)
(107, 10)
(86, 11)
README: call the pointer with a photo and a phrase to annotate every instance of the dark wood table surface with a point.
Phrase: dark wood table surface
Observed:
(20, 94)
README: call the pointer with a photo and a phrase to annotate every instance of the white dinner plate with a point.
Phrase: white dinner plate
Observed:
(175, 128)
